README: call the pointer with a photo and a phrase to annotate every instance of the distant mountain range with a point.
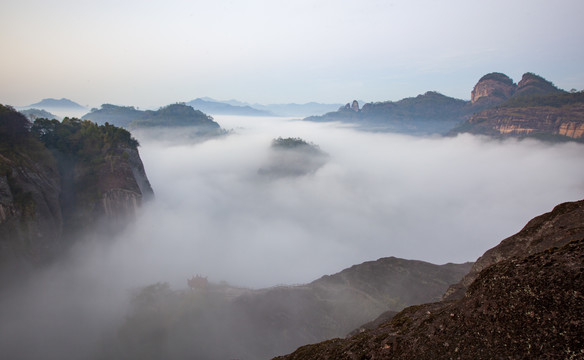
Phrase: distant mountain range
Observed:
(534, 107)
(55, 104)
(498, 107)
(234, 107)
(173, 115)
(220, 108)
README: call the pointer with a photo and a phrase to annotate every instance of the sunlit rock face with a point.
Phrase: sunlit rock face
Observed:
(520, 121)
(492, 89)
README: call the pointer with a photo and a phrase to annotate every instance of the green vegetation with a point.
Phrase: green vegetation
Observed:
(555, 100)
(81, 138)
(173, 115)
(498, 77)
(290, 143)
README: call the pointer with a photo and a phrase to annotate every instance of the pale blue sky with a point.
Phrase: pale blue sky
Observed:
(151, 53)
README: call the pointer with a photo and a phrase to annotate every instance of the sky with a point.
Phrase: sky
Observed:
(152, 53)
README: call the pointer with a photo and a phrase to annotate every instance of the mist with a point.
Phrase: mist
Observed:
(378, 194)
(434, 199)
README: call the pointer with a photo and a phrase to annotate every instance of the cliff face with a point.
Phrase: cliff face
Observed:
(31, 222)
(533, 120)
(492, 89)
(533, 108)
(58, 180)
(527, 304)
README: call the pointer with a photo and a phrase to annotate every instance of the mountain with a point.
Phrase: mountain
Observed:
(174, 115)
(58, 179)
(533, 108)
(291, 109)
(56, 104)
(303, 110)
(492, 89)
(220, 108)
(430, 113)
(527, 304)
(259, 324)
(33, 114)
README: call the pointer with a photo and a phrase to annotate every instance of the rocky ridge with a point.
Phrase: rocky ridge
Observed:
(527, 304)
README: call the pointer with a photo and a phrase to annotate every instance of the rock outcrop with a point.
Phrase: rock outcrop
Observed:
(533, 108)
(527, 304)
(492, 89)
(554, 229)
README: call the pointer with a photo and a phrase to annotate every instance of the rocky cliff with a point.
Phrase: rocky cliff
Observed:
(492, 89)
(60, 179)
(554, 229)
(527, 304)
(533, 108)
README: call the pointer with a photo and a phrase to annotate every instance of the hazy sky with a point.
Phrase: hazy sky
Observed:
(151, 53)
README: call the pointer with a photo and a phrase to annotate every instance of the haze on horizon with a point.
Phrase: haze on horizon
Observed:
(153, 53)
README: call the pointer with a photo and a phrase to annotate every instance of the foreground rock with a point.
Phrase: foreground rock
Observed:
(527, 306)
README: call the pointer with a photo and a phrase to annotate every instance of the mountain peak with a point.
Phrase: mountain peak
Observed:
(56, 103)
(493, 88)
(532, 84)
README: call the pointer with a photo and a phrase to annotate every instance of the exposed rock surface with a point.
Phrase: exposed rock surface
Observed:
(556, 228)
(492, 89)
(526, 305)
(544, 121)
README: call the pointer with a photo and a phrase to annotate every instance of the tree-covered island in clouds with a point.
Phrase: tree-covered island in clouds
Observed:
(292, 157)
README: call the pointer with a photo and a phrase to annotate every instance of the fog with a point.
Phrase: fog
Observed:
(434, 199)
(378, 194)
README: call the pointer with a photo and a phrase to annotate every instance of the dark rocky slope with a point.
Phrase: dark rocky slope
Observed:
(527, 305)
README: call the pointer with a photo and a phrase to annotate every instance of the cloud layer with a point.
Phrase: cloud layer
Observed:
(434, 199)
